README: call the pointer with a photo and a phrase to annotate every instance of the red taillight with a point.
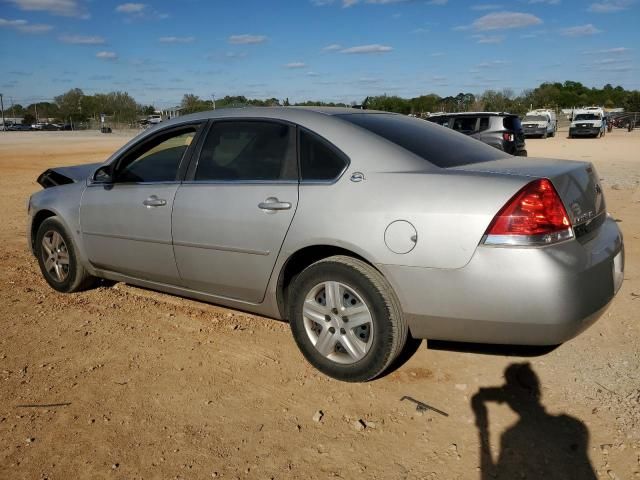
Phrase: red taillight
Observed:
(535, 215)
(508, 137)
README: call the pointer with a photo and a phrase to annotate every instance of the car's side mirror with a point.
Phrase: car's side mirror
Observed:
(103, 175)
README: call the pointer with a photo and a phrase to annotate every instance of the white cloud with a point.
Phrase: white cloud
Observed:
(139, 11)
(295, 65)
(65, 8)
(492, 64)
(82, 40)
(610, 6)
(491, 39)
(130, 8)
(580, 30)
(24, 26)
(615, 50)
(364, 49)
(505, 20)
(106, 55)
(332, 48)
(173, 39)
(486, 6)
(611, 51)
(247, 39)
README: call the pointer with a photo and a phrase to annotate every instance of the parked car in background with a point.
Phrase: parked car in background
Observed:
(500, 130)
(18, 127)
(588, 122)
(361, 228)
(540, 123)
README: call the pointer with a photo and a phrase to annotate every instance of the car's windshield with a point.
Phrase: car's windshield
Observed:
(440, 146)
(587, 116)
(534, 118)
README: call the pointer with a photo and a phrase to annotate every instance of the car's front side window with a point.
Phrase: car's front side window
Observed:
(157, 160)
(248, 151)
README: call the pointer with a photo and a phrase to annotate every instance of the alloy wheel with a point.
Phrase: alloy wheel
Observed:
(55, 256)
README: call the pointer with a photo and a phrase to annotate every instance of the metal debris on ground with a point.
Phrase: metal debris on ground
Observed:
(423, 407)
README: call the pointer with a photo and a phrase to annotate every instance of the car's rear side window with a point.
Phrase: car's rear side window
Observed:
(440, 120)
(439, 146)
(248, 150)
(318, 160)
(512, 123)
(484, 124)
(466, 125)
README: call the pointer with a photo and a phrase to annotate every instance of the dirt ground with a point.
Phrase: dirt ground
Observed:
(121, 382)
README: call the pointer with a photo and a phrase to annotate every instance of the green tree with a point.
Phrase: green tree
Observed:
(70, 105)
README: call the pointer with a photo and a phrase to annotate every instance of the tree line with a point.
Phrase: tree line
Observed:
(550, 95)
(75, 106)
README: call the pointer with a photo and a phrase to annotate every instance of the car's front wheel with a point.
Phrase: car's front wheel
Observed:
(57, 258)
(346, 319)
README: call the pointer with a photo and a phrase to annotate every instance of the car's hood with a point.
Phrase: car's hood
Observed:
(539, 123)
(62, 175)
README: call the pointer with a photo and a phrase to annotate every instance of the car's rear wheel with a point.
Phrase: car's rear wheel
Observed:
(57, 258)
(346, 319)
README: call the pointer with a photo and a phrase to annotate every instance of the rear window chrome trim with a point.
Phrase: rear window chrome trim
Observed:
(239, 182)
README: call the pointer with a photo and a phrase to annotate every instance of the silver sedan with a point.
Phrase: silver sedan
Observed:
(361, 228)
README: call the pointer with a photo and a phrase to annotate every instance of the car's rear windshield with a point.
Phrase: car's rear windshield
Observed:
(587, 116)
(534, 118)
(438, 145)
(512, 123)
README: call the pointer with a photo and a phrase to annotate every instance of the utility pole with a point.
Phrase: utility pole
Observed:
(35, 105)
(213, 97)
(4, 127)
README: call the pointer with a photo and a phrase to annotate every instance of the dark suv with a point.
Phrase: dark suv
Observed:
(500, 130)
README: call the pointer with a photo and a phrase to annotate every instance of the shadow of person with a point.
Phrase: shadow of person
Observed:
(538, 445)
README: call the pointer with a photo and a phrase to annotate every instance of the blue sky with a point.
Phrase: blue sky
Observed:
(333, 50)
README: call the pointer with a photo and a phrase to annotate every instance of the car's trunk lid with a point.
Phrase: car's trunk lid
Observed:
(577, 183)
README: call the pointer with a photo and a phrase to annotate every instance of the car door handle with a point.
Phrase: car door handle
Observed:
(154, 201)
(272, 203)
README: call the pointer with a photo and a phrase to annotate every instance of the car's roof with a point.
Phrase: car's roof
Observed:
(463, 114)
(283, 113)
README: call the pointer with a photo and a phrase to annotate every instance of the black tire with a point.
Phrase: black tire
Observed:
(76, 278)
(389, 328)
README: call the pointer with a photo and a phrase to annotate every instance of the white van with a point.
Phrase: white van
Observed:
(154, 119)
(540, 123)
(588, 122)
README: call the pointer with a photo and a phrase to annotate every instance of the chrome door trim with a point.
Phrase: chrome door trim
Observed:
(127, 237)
(223, 248)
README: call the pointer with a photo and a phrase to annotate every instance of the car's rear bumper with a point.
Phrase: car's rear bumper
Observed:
(521, 296)
(534, 132)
